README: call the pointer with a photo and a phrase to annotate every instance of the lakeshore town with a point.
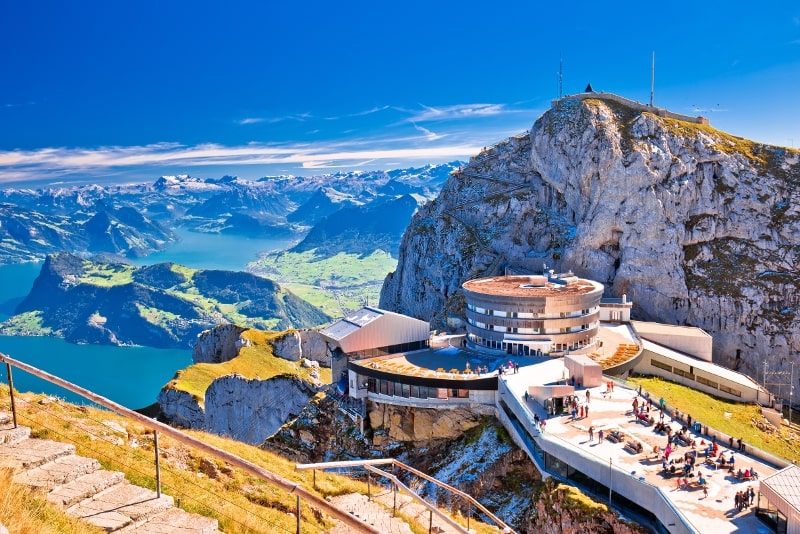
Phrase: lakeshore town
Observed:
(550, 355)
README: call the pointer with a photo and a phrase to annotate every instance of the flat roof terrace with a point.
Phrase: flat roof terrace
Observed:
(714, 513)
(529, 286)
(445, 359)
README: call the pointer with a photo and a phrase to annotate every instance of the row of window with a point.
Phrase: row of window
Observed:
(526, 315)
(516, 347)
(518, 330)
(692, 376)
(398, 389)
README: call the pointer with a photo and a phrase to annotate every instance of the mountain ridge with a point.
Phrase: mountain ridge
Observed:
(164, 305)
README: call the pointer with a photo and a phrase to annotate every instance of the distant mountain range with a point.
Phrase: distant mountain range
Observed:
(134, 220)
(164, 305)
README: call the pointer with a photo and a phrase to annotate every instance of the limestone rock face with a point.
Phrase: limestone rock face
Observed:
(696, 226)
(297, 344)
(246, 410)
(219, 345)
(180, 409)
(252, 410)
(414, 424)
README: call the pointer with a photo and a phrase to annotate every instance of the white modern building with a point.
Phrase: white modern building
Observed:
(532, 314)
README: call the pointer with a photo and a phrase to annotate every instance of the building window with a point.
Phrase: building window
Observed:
(661, 365)
(708, 382)
(684, 374)
(731, 391)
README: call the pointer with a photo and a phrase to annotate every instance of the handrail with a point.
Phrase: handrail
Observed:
(177, 435)
(368, 464)
(417, 498)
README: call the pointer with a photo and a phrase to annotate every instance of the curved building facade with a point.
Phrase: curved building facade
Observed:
(532, 314)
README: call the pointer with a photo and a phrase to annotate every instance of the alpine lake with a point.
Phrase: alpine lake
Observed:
(130, 376)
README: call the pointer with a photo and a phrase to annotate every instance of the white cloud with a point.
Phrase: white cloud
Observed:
(460, 111)
(51, 163)
(431, 136)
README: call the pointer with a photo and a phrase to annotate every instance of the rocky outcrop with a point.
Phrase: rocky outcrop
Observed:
(219, 345)
(403, 424)
(696, 226)
(560, 509)
(297, 344)
(246, 410)
(180, 408)
(252, 410)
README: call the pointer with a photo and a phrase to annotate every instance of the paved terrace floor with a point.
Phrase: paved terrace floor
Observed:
(447, 356)
(714, 514)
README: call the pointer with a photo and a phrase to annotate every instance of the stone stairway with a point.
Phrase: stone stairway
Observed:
(82, 489)
(370, 512)
(378, 513)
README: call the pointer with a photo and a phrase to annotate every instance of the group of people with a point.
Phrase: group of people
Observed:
(747, 474)
(744, 499)
(579, 409)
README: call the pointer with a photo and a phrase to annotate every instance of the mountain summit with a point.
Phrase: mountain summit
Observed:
(697, 226)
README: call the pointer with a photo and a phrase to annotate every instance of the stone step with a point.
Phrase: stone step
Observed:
(175, 521)
(84, 487)
(120, 506)
(369, 512)
(31, 453)
(10, 435)
(58, 472)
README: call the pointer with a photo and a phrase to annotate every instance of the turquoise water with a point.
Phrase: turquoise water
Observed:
(214, 251)
(131, 376)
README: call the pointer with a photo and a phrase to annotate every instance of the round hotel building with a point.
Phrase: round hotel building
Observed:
(532, 314)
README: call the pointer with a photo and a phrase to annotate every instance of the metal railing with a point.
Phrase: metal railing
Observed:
(177, 435)
(370, 466)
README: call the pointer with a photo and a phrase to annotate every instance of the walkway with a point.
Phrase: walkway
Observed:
(83, 490)
(715, 513)
(378, 513)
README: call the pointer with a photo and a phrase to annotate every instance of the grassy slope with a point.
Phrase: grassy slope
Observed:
(241, 503)
(710, 411)
(255, 361)
(341, 281)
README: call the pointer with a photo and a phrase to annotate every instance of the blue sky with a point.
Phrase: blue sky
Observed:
(99, 91)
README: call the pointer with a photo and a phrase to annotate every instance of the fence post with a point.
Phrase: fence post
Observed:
(11, 393)
(158, 465)
(369, 489)
(298, 514)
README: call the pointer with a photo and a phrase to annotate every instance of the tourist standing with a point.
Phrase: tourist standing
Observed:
(600, 437)
(751, 495)
(587, 396)
(587, 410)
(591, 433)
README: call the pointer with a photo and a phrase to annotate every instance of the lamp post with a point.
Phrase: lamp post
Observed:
(610, 480)
(791, 393)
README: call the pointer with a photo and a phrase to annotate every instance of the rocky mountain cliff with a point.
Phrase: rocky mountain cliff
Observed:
(696, 226)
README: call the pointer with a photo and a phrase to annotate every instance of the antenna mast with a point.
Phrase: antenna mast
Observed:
(652, 78)
(560, 76)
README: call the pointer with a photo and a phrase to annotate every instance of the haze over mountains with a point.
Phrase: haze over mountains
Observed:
(137, 219)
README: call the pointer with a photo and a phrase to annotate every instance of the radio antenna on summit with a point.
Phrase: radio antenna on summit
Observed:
(652, 78)
(560, 76)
